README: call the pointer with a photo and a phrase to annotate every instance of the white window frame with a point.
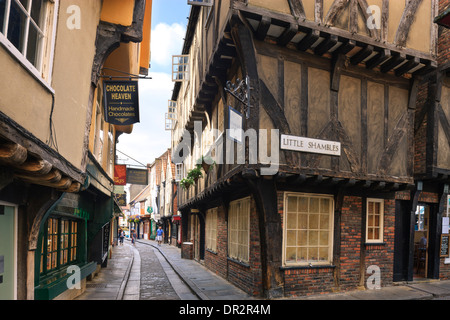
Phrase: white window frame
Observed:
(179, 171)
(211, 229)
(234, 225)
(37, 73)
(330, 230)
(381, 221)
(180, 61)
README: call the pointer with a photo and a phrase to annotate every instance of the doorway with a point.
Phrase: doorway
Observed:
(8, 225)
(421, 241)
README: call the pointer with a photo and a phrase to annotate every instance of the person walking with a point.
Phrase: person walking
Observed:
(133, 237)
(159, 235)
(121, 236)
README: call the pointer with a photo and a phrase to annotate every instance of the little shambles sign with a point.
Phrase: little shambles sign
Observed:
(310, 145)
(121, 102)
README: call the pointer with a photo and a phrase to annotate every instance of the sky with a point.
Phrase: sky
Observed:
(149, 138)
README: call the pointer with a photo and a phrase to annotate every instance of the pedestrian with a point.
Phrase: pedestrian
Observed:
(133, 237)
(121, 236)
(159, 235)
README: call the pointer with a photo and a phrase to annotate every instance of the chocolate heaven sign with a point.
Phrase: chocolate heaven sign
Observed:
(121, 102)
(310, 145)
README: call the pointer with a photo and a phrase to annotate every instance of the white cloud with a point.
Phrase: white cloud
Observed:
(149, 138)
(167, 40)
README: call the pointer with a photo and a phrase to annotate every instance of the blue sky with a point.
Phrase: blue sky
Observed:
(149, 139)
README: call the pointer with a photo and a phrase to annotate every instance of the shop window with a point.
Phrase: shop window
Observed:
(59, 244)
(308, 226)
(239, 229)
(211, 229)
(374, 224)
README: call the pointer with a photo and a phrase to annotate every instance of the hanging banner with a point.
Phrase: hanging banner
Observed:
(120, 175)
(121, 101)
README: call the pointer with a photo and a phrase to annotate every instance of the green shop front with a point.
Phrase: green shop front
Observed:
(75, 238)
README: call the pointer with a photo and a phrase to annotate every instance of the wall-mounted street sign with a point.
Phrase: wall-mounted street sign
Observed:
(121, 99)
(302, 144)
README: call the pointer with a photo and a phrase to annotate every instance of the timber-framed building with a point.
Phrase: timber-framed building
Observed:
(345, 76)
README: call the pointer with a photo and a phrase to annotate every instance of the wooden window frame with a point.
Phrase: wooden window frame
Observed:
(380, 225)
(330, 230)
(236, 224)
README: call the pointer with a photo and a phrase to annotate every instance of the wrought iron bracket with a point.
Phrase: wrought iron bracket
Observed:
(242, 92)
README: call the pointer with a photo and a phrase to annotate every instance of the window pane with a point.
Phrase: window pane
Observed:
(313, 238)
(292, 204)
(323, 238)
(303, 221)
(314, 221)
(303, 204)
(314, 205)
(291, 254)
(16, 26)
(323, 254)
(36, 12)
(291, 222)
(302, 253)
(2, 14)
(302, 239)
(291, 238)
(324, 222)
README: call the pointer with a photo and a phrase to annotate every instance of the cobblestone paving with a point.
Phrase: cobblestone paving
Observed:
(154, 282)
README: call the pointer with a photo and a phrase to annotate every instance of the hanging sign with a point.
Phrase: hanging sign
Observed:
(120, 175)
(235, 125)
(137, 176)
(121, 101)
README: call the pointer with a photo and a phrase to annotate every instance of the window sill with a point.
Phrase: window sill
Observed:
(322, 266)
(56, 283)
(241, 263)
(24, 62)
(211, 251)
(368, 244)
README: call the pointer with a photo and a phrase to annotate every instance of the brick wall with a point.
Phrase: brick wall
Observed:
(245, 276)
(308, 281)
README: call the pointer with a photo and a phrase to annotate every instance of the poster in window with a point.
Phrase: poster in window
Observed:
(121, 99)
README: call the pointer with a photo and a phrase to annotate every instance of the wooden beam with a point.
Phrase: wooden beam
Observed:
(409, 65)
(263, 28)
(12, 154)
(381, 57)
(35, 166)
(406, 21)
(329, 42)
(336, 8)
(346, 46)
(297, 9)
(361, 55)
(311, 37)
(287, 35)
(395, 60)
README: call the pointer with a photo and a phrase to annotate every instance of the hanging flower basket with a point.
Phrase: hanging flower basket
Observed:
(195, 173)
(186, 182)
